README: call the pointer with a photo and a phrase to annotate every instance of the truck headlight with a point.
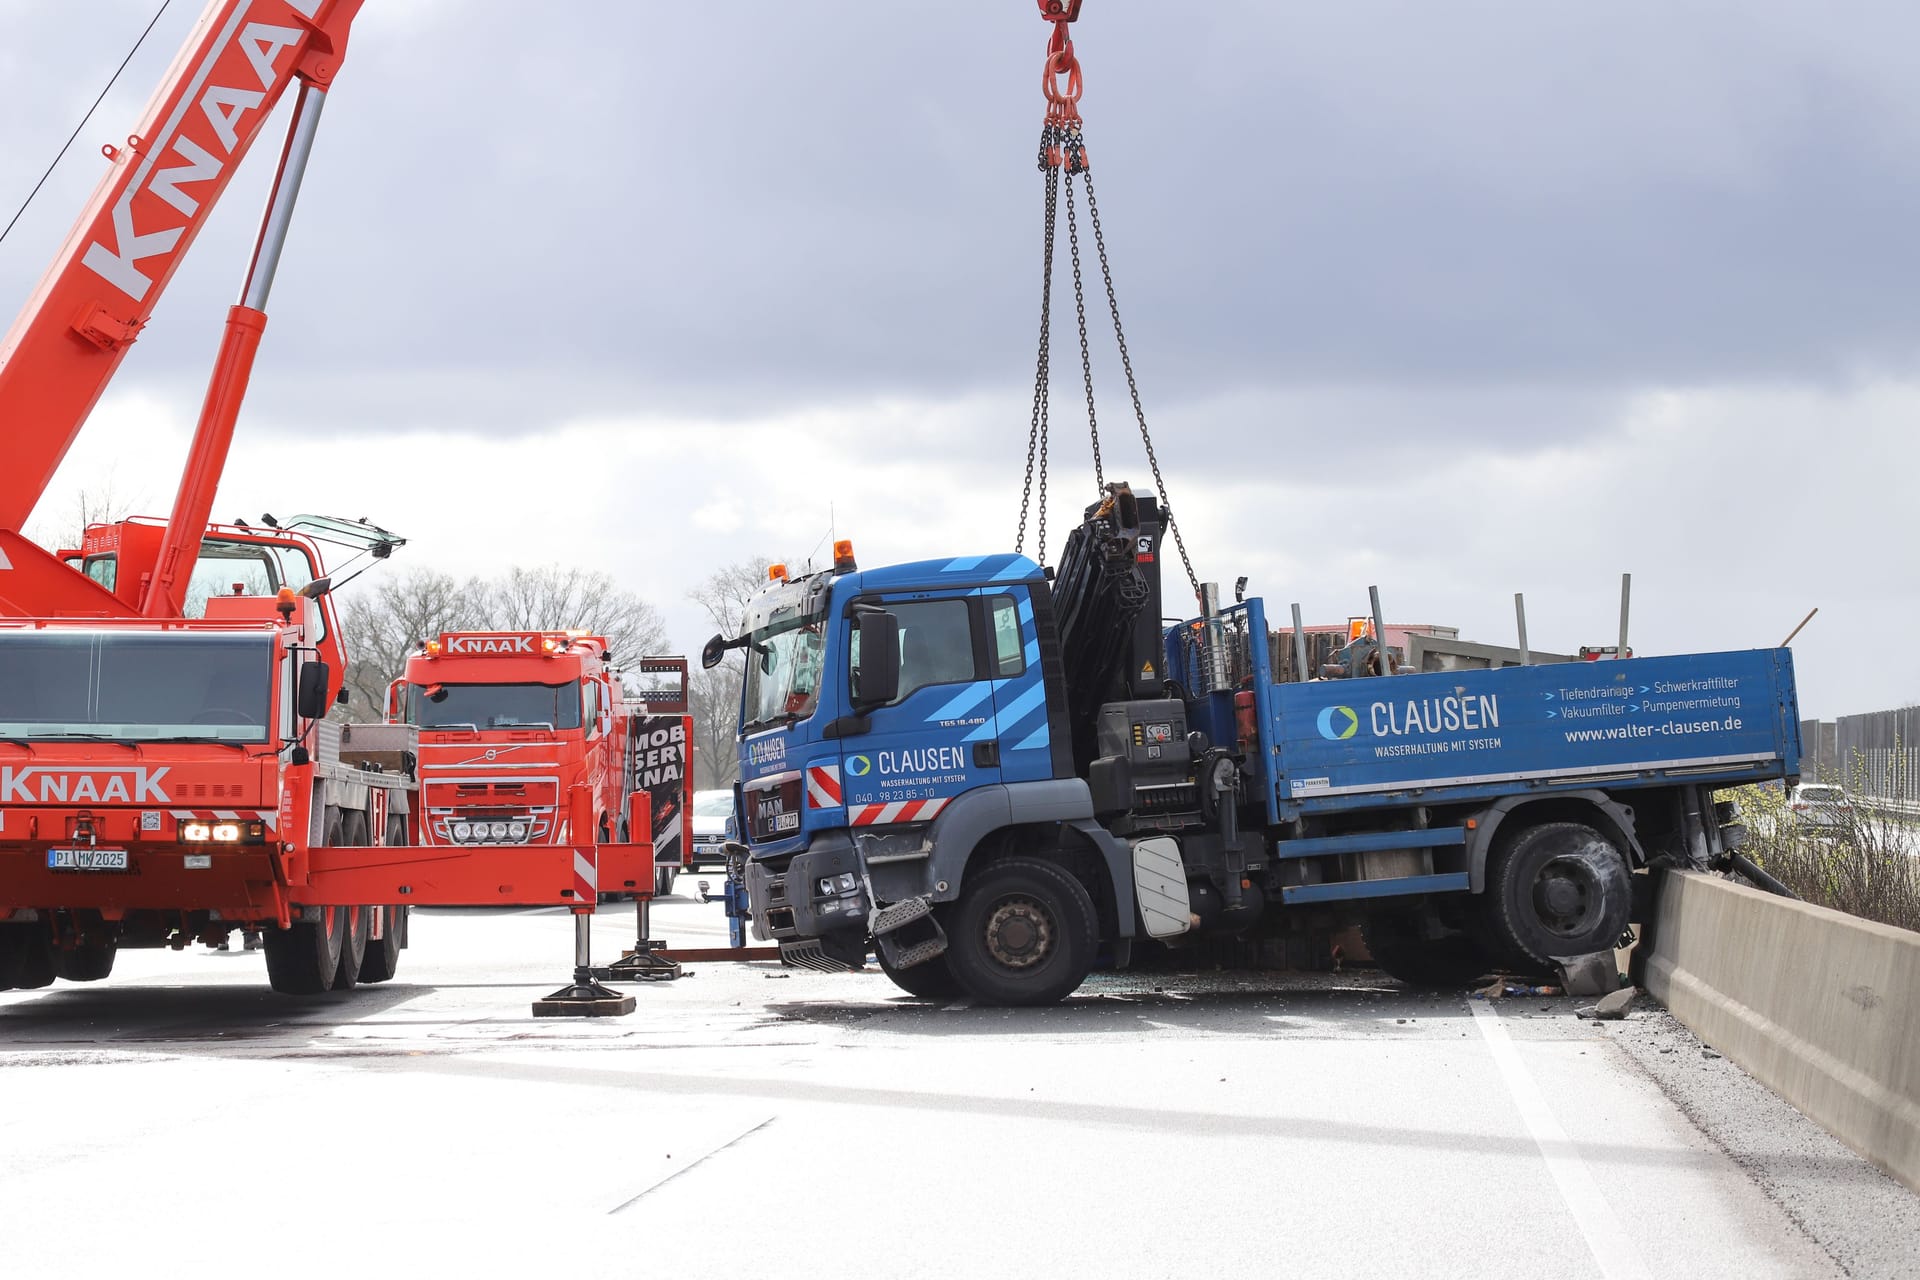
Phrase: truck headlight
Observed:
(517, 830)
(227, 832)
(498, 831)
(196, 832)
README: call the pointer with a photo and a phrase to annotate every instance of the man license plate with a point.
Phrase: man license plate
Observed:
(86, 859)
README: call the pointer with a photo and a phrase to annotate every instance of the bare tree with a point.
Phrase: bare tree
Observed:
(552, 597)
(715, 695)
(386, 620)
(724, 593)
(101, 502)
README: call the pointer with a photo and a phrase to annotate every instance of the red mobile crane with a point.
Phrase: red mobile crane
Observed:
(166, 778)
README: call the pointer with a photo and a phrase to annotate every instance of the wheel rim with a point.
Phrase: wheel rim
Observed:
(1020, 933)
(1567, 897)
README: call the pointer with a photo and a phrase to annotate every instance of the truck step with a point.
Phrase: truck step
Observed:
(889, 918)
(809, 954)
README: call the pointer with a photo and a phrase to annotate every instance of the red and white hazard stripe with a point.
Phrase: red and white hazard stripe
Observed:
(586, 876)
(268, 816)
(823, 786)
(880, 815)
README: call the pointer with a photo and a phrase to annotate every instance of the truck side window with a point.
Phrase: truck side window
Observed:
(1009, 655)
(592, 692)
(936, 644)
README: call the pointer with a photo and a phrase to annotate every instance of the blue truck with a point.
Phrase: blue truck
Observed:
(995, 777)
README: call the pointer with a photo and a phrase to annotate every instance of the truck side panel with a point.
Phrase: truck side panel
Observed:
(1349, 742)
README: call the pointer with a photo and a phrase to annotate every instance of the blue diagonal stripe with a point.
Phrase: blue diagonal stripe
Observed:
(963, 702)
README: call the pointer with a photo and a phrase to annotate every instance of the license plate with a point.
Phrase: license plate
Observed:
(86, 859)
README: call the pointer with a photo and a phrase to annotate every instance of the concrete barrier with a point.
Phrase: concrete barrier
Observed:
(1821, 1007)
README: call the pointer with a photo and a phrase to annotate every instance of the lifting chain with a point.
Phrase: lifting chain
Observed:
(1062, 158)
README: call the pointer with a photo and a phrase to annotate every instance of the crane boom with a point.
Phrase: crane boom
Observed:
(161, 188)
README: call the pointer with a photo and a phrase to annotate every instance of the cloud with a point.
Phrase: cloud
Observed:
(1461, 301)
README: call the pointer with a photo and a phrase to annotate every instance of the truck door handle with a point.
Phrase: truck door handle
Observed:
(986, 755)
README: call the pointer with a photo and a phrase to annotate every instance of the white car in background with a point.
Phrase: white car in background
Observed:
(1819, 804)
(712, 816)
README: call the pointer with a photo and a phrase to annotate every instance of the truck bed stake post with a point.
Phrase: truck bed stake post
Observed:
(583, 998)
(1626, 596)
(1520, 616)
(1380, 633)
(1299, 647)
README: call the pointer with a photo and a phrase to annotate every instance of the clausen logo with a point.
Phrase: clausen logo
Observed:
(34, 784)
(490, 644)
(1336, 723)
(859, 766)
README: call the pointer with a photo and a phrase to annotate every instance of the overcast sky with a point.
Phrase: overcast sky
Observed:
(1460, 300)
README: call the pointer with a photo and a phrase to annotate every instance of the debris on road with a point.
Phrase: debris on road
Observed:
(1613, 1006)
(1593, 974)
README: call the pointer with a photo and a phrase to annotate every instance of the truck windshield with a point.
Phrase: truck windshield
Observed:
(783, 672)
(494, 706)
(154, 686)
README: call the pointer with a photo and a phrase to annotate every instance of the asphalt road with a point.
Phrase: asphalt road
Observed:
(748, 1120)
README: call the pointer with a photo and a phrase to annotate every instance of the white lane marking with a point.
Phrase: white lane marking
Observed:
(1607, 1240)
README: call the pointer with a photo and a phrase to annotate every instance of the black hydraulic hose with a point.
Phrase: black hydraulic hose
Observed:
(1750, 869)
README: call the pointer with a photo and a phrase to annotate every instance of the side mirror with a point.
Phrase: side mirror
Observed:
(343, 699)
(310, 700)
(877, 681)
(712, 652)
(317, 588)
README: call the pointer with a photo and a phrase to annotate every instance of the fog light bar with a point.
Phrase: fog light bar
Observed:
(498, 831)
(462, 830)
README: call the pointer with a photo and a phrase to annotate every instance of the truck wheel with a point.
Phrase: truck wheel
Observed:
(26, 958)
(1400, 945)
(1559, 889)
(931, 980)
(663, 881)
(302, 960)
(355, 832)
(88, 962)
(382, 959)
(1023, 933)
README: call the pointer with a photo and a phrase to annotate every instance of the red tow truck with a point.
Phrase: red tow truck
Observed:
(512, 723)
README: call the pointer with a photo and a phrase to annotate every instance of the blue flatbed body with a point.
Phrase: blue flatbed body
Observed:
(1444, 737)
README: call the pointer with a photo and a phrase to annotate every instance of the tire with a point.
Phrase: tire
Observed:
(931, 980)
(26, 961)
(1399, 944)
(353, 944)
(89, 962)
(663, 880)
(382, 958)
(304, 959)
(1022, 933)
(1558, 889)
(35, 968)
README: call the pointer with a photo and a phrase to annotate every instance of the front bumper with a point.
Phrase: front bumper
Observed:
(816, 928)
